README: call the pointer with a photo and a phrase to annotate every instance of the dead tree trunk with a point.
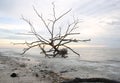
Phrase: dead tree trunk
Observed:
(55, 41)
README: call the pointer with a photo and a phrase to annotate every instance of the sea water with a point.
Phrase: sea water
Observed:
(96, 61)
(99, 54)
(90, 54)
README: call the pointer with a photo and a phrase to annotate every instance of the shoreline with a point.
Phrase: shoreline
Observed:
(45, 70)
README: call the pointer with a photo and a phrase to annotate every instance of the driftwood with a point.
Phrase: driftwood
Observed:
(91, 80)
(55, 42)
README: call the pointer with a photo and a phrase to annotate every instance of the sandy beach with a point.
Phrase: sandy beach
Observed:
(53, 70)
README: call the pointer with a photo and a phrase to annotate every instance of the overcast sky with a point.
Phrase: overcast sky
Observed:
(100, 19)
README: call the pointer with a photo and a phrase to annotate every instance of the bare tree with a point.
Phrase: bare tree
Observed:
(55, 42)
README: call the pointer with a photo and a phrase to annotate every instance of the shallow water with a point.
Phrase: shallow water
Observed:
(89, 54)
(94, 62)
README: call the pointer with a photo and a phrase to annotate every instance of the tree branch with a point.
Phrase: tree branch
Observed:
(40, 16)
(26, 49)
(71, 50)
(56, 40)
(63, 14)
(39, 37)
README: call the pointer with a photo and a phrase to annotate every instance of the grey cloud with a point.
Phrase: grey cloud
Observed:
(98, 7)
(13, 31)
(18, 37)
(89, 8)
(5, 31)
(114, 23)
(7, 5)
(18, 34)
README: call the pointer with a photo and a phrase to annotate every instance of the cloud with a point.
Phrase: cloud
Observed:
(100, 18)
(9, 31)
(6, 5)
(14, 8)
(114, 21)
(101, 7)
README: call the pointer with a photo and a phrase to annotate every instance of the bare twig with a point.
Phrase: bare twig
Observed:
(40, 16)
(71, 50)
(56, 40)
(63, 14)
(26, 49)
(40, 38)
